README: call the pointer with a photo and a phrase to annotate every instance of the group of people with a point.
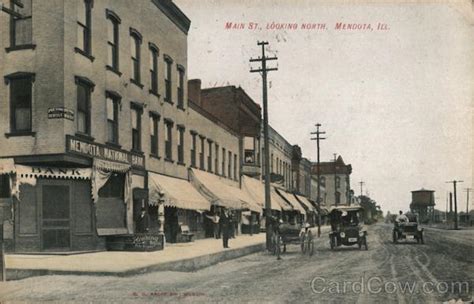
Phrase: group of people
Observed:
(223, 224)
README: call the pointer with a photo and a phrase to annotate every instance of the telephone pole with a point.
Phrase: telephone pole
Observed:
(361, 185)
(467, 190)
(318, 172)
(335, 182)
(454, 182)
(264, 70)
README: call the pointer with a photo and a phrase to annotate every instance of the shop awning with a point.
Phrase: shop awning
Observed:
(303, 200)
(220, 192)
(291, 199)
(256, 189)
(177, 192)
(7, 166)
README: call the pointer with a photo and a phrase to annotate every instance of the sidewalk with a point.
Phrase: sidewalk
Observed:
(176, 257)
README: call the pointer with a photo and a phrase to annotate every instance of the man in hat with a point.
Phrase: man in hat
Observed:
(142, 222)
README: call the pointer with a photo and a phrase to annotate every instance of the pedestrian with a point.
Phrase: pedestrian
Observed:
(142, 222)
(225, 226)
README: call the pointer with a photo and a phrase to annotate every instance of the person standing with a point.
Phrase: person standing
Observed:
(225, 226)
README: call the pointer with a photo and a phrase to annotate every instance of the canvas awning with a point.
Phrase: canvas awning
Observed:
(7, 166)
(291, 199)
(177, 192)
(220, 193)
(303, 200)
(256, 189)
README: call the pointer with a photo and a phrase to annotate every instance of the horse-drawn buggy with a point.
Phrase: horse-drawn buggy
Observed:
(346, 229)
(285, 234)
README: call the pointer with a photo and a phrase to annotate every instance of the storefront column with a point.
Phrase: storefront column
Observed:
(161, 218)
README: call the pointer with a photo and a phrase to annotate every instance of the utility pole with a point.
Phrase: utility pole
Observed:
(467, 190)
(361, 185)
(318, 172)
(454, 182)
(335, 181)
(264, 70)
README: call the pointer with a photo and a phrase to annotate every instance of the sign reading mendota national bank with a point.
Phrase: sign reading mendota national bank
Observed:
(80, 146)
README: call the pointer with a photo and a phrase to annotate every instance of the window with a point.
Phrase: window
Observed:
(201, 153)
(169, 140)
(223, 162)
(113, 40)
(154, 119)
(338, 182)
(229, 165)
(216, 163)
(84, 45)
(209, 156)
(235, 166)
(4, 186)
(323, 181)
(114, 187)
(135, 43)
(193, 149)
(338, 198)
(169, 63)
(21, 98)
(249, 150)
(136, 112)
(21, 30)
(84, 90)
(112, 100)
(180, 87)
(153, 68)
(180, 144)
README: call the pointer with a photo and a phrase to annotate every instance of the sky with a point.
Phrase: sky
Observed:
(395, 103)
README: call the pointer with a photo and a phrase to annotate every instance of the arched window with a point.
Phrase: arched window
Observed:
(113, 40)
(135, 44)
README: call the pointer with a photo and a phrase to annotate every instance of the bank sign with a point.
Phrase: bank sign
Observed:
(83, 147)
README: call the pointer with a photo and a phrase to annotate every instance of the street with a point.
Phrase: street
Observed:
(403, 273)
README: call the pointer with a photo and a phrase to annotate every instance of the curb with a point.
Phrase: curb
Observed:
(186, 265)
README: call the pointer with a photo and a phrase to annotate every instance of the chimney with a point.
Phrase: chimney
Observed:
(194, 91)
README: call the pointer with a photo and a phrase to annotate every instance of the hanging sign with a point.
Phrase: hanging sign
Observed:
(60, 113)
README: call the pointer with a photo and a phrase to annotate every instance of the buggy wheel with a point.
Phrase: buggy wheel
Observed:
(394, 236)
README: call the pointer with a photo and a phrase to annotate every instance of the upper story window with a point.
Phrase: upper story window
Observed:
(216, 162)
(193, 149)
(338, 182)
(201, 153)
(135, 45)
(113, 40)
(223, 162)
(154, 119)
(180, 87)
(235, 166)
(112, 100)
(181, 144)
(154, 52)
(323, 181)
(249, 150)
(229, 165)
(136, 116)
(209, 156)
(169, 140)
(169, 63)
(84, 28)
(84, 92)
(21, 100)
(21, 30)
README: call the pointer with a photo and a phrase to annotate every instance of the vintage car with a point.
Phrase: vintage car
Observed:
(408, 231)
(346, 229)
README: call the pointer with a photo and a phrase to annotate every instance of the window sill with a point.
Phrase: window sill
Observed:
(113, 70)
(168, 101)
(154, 93)
(138, 84)
(169, 160)
(180, 107)
(137, 151)
(181, 164)
(85, 136)
(155, 156)
(20, 47)
(20, 133)
(88, 56)
(112, 144)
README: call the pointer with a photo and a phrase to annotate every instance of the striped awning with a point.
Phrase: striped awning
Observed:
(291, 199)
(307, 204)
(7, 166)
(29, 172)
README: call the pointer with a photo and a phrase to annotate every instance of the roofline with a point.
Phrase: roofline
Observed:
(174, 13)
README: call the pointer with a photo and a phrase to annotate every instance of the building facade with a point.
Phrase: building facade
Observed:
(335, 178)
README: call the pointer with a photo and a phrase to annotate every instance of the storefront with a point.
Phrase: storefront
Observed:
(299, 213)
(180, 208)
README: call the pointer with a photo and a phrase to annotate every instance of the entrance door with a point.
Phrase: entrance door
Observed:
(56, 220)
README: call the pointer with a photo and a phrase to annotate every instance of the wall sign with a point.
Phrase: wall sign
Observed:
(80, 146)
(60, 113)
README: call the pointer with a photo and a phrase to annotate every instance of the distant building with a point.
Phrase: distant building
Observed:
(335, 177)
(423, 202)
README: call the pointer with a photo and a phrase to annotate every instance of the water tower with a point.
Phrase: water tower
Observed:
(422, 203)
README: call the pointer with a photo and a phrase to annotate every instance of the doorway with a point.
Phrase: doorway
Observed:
(56, 225)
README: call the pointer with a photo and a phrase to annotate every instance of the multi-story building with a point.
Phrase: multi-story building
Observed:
(335, 178)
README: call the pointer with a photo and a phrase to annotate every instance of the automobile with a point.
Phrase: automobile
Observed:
(346, 228)
(410, 230)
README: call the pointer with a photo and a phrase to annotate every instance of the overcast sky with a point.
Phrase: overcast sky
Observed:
(396, 104)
